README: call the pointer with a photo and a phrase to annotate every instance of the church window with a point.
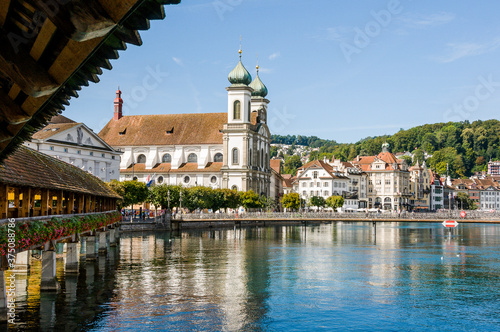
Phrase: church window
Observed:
(213, 179)
(141, 159)
(167, 158)
(187, 179)
(261, 158)
(248, 112)
(192, 158)
(218, 158)
(234, 188)
(160, 179)
(250, 161)
(237, 110)
(235, 156)
(135, 178)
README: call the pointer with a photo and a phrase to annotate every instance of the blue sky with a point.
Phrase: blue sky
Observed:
(341, 70)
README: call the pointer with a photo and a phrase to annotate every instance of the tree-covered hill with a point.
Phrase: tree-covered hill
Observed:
(465, 147)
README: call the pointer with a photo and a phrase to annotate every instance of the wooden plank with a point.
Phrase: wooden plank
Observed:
(117, 9)
(24, 71)
(78, 20)
(4, 9)
(42, 39)
(10, 112)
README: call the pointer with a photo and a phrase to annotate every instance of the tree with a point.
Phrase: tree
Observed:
(317, 201)
(291, 201)
(132, 192)
(292, 164)
(250, 200)
(407, 159)
(232, 199)
(335, 202)
(465, 202)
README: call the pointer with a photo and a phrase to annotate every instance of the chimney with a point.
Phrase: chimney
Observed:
(118, 105)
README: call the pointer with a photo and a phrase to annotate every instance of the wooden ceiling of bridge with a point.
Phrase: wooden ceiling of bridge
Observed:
(51, 48)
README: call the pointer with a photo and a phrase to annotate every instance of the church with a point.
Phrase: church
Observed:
(218, 150)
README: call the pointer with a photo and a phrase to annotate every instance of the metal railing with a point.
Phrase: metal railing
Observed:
(4, 221)
(442, 215)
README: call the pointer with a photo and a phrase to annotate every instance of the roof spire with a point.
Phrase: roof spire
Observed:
(240, 51)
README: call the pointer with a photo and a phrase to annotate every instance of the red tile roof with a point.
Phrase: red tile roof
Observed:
(30, 168)
(276, 165)
(166, 168)
(53, 129)
(187, 129)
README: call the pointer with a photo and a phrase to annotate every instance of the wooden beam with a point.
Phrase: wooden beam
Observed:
(78, 20)
(10, 112)
(43, 38)
(4, 10)
(4, 200)
(23, 70)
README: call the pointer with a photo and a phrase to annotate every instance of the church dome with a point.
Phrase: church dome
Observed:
(239, 75)
(259, 89)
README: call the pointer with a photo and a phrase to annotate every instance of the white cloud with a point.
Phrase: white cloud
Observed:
(338, 34)
(178, 61)
(265, 70)
(423, 21)
(462, 50)
(274, 55)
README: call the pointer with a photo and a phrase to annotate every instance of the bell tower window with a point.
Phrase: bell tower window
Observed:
(237, 110)
(235, 156)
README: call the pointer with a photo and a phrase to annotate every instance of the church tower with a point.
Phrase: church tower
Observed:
(246, 137)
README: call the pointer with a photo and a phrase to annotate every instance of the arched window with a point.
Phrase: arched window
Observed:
(250, 161)
(213, 179)
(141, 159)
(235, 156)
(237, 110)
(192, 158)
(167, 158)
(234, 188)
(218, 158)
(249, 113)
(261, 158)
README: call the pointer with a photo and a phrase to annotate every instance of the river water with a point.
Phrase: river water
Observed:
(338, 276)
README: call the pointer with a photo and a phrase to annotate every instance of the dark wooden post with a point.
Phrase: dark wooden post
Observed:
(4, 201)
(44, 206)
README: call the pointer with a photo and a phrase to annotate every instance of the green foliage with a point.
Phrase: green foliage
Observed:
(465, 202)
(335, 202)
(291, 201)
(292, 164)
(317, 201)
(132, 192)
(457, 143)
(250, 200)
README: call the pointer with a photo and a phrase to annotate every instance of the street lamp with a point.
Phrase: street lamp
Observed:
(168, 199)
(180, 200)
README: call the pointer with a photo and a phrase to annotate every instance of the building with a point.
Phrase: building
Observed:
(420, 180)
(276, 188)
(318, 178)
(388, 180)
(288, 181)
(436, 192)
(357, 191)
(77, 145)
(220, 150)
(494, 167)
(489, 194)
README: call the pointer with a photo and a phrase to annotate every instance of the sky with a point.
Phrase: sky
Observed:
(339, 70)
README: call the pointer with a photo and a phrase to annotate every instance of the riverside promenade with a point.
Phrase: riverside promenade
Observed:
(216, 220)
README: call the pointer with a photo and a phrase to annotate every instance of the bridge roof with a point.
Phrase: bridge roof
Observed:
(49, 52)
(29, 168)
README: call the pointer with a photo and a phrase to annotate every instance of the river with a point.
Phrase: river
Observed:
(334, 276)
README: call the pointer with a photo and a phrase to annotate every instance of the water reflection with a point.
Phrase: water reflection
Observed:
(331, 276)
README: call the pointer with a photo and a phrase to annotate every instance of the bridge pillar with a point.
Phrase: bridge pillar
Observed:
(112, 237)
(102, 243)
(91, 255)
(117, 235)
(71, 258)
(23, 262)
(3, 298)
(49, 280)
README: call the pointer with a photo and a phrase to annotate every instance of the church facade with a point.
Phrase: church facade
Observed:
(218, 150)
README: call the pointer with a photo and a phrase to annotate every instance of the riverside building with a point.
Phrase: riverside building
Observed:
(220, 150)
